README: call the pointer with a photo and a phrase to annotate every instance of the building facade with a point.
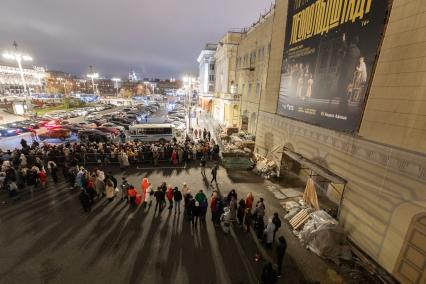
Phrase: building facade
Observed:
(373, 137)
(226, 103)
(252, 66)
(206, 63)
(11, 81)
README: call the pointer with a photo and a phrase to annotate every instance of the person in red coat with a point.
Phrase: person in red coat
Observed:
(249, 201)
(174, 157)
(144, 186)
(42, 178)
(169, 195)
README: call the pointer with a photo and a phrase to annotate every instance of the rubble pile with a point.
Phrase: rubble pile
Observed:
(317, 231)
(265, 168)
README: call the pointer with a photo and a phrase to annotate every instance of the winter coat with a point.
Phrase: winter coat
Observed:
(269, 233)
(148, 195)
(169, 193)
(177, 195)
(109, 191)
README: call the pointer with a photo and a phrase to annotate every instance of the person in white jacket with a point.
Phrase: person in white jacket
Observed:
(148, 195)
(269, 233)
(226, 220)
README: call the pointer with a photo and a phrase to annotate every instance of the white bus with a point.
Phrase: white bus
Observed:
(152, 132)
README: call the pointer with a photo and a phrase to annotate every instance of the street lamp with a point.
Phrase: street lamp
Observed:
(188, 80)
(116, 81)
(15, 55)
(62, 80)
(93, 76)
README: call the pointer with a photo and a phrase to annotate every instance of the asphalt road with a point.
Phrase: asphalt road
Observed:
(47, 238)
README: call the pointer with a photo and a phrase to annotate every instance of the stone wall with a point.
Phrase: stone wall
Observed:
(385, 165)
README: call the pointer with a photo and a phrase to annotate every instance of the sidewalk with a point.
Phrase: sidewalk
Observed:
(313, 268)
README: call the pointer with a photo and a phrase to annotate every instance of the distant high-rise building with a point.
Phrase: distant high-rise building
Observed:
(132, 76)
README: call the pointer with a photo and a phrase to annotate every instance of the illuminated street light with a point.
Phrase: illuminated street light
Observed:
(188, 81)
(15, 55)
(62, 80)
(116, 80)
(93, 76)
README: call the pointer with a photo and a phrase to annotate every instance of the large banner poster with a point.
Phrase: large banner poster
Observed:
(329, 51)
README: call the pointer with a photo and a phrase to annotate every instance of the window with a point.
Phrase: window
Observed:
(243, 89)
(212, 67)
(249, 89)
(211, 77)
(257, 89)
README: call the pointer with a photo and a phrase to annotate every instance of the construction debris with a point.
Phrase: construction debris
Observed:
(265, 168)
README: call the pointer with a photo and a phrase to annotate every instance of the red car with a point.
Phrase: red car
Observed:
(54, 123)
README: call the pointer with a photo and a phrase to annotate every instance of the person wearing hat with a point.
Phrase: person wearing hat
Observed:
(196, 212)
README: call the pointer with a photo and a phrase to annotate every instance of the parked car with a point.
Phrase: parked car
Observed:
(7, 131)
(72, 127)
(54, 123)
(33, 124)
(93, 135)
(20, 128)
(86, 124)
(58, 133)
(112, 125)
(110, 130)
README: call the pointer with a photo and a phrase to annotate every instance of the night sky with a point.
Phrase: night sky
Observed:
(159, 38)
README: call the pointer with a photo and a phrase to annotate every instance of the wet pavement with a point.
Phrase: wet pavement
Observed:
(47, 238)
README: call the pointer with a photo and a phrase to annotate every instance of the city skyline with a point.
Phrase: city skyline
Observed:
(127, 36)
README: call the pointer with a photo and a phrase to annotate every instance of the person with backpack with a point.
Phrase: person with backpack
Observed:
(277, 222)
(177, 196)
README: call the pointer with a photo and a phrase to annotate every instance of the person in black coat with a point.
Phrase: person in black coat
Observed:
(241, 211)
(281, 249)
(277, 222)
(85, 200)
(269, 276)
(196, 211)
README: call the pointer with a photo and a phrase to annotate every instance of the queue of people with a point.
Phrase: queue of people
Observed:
(29, 167)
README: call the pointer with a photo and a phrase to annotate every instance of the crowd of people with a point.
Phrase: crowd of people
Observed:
(29, 167)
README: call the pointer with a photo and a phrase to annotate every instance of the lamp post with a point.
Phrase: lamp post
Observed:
(93, 76)
(19, 57)
(63, 81)
(116, 81)
(188, 80)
